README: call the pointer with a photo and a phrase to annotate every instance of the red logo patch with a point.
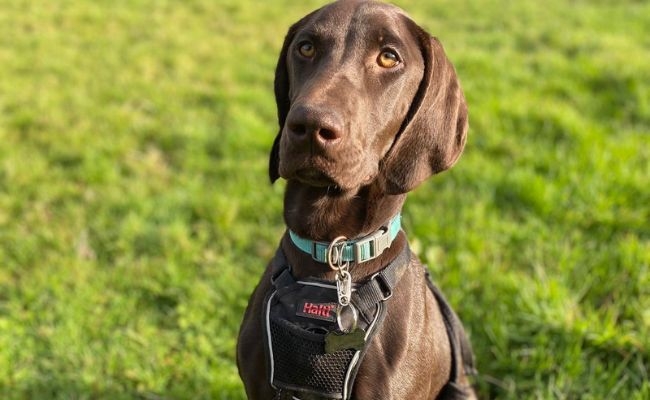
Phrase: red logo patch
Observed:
(322, 311)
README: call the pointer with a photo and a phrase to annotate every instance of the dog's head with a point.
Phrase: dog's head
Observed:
(365, 95)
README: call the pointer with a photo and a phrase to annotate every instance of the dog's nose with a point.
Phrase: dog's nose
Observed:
(317, 124)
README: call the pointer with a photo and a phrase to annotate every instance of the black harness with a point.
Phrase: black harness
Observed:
(309, 357)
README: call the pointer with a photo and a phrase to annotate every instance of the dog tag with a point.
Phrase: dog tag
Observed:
(342, 341)
(347, 318)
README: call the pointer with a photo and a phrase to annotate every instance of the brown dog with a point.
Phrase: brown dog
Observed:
(369, 106)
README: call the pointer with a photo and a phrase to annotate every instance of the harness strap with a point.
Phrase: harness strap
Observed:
(461, 349)
(365, 298)
(381, 285)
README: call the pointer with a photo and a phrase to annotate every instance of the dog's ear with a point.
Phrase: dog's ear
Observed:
(435, 129)
(281, 87)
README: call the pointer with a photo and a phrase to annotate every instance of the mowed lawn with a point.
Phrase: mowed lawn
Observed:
(136, 214)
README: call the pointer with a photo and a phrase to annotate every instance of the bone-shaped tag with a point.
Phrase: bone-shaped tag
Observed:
(354, 340)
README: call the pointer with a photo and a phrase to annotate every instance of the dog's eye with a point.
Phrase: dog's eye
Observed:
(388, 59)
(306, 49)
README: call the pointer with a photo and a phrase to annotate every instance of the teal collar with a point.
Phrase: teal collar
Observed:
(357, 250)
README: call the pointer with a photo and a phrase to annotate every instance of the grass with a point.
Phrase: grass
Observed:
(136, 217)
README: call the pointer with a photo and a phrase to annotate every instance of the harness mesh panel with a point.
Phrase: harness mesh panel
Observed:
(300, 359)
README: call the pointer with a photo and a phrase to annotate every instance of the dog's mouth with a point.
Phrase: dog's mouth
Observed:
(313, 177)
(321, 173)
(324, 183)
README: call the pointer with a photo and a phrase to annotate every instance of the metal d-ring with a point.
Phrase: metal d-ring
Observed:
(335, 254)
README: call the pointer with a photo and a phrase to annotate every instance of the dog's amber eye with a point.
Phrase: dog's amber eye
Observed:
(306, 49)
(388, 59)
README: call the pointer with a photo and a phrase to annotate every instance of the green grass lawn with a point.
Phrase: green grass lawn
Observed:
(136, 214)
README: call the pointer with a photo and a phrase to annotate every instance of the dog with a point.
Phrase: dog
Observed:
(369, 107)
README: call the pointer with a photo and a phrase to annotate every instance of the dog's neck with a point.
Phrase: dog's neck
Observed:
(323, 214)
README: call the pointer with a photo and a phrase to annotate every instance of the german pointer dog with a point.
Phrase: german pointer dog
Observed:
(369, 107)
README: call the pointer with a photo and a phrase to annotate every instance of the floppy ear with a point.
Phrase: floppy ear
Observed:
(282, 99)
(435, 129)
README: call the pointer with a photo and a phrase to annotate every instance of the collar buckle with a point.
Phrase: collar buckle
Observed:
(371, 246)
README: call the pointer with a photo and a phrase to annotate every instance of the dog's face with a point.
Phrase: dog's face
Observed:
(353, 72)
(352, 78)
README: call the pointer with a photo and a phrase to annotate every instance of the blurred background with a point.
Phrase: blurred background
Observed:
(136, 214)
